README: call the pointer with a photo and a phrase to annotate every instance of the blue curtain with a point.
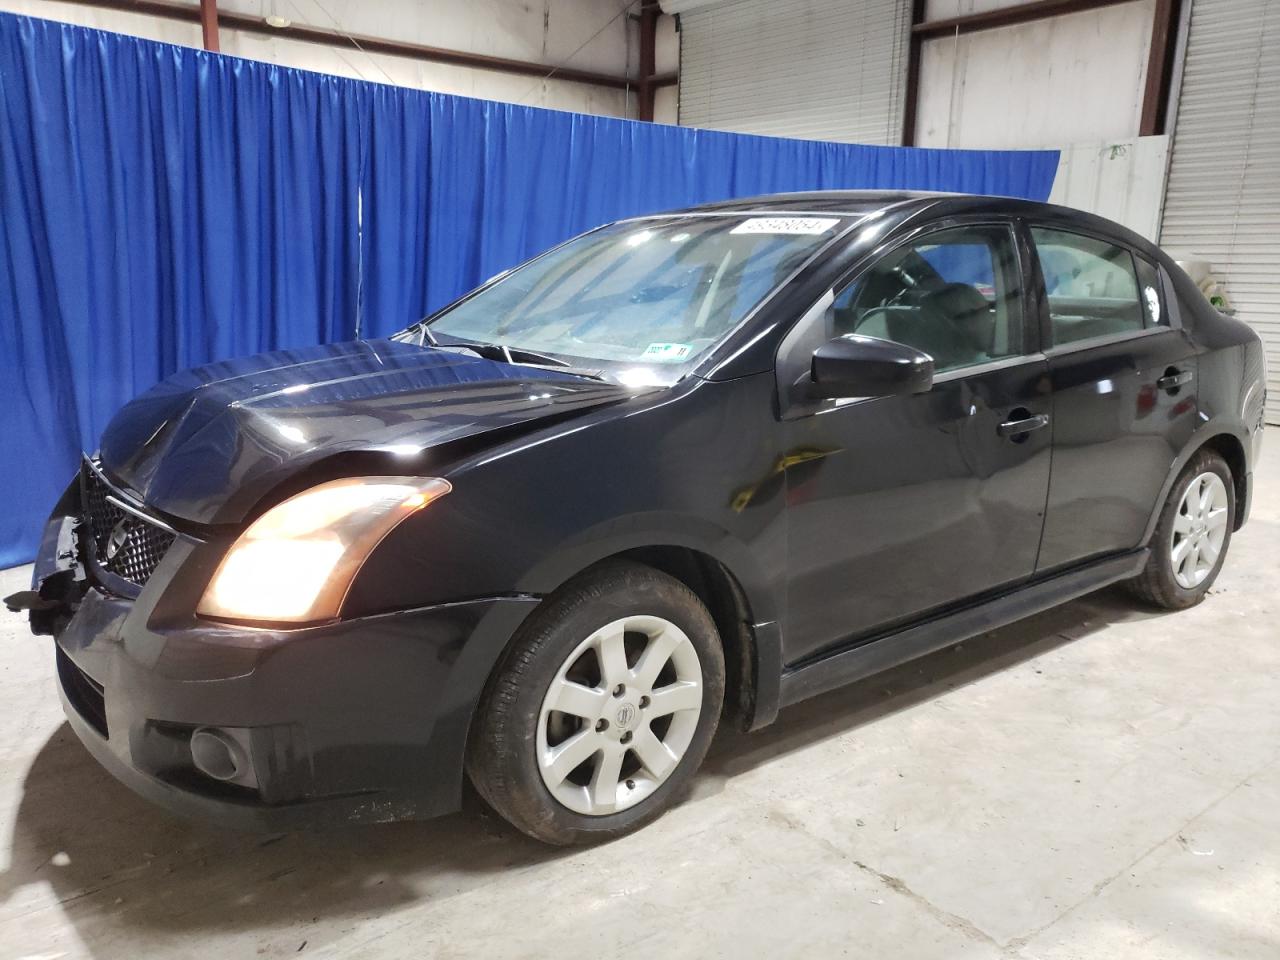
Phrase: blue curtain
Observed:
(163, 207)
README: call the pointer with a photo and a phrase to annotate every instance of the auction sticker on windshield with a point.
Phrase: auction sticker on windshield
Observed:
(794, 226)
(667, 351)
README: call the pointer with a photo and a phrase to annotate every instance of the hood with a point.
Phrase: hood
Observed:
(208, 443)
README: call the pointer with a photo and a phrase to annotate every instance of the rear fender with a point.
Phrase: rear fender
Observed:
(1206, 432)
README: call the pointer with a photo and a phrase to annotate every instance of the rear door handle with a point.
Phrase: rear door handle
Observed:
(1171, 381)
(1014, 428)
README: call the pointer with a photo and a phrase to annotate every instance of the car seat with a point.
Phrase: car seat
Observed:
(952, 339)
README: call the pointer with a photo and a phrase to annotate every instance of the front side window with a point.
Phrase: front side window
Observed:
(1091, 285)
(656, 292)
(954, 294)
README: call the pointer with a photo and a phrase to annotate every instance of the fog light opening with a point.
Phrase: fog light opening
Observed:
(217, 755)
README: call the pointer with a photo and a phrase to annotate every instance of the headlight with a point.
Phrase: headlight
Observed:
(296, 562)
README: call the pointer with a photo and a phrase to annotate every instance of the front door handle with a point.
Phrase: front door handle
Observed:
(1016, 428)
(1174, 379)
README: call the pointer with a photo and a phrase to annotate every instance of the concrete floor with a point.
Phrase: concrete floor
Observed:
(1098, 781)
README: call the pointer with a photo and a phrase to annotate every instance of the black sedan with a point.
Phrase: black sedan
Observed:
(682, 468)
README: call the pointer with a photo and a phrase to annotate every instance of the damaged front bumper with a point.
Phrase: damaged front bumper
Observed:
(57, 578)
(355, 721)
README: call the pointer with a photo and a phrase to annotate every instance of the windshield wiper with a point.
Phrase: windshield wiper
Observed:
(500, 351)
(421, 331)
(561, 367)
(517, 356)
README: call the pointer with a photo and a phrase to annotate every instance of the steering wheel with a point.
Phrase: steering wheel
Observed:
(870, 315)
(897, 299)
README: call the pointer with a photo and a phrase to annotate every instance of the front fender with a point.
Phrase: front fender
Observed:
(658, 529)
(529, 514)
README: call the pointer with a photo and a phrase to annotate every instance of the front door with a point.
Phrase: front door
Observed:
(902, 505)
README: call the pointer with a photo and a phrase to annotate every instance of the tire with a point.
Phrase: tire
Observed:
(523, 752)
(1167, 580)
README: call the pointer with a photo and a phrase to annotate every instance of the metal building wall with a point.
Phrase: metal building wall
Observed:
(795, 68)
(1223, 200)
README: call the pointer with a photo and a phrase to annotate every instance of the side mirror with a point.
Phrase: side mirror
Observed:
(858, 366)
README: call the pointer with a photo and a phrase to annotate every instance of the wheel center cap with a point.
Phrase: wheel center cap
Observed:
(625, 716)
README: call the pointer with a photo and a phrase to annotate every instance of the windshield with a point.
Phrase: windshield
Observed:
(656, 292)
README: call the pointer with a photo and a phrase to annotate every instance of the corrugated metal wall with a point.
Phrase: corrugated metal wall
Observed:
(1223, 200)
(796, 68)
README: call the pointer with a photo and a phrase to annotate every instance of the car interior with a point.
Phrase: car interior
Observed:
(1091, 286)
(953, 297)
(686, 284)
(950, 299)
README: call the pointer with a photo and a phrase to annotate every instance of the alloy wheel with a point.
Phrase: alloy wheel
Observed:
(619, 715)
(1199, 530)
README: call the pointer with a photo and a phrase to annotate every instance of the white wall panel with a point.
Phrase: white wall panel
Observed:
(546, 31)
(134, 24)
(1120, 180)
(946, 9)
(666, 46)
(666, 105)
(1223, 201)
(1076, 78)
(817, 69)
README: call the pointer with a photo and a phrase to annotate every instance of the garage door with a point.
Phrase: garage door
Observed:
(1223, 201)
(817, 69)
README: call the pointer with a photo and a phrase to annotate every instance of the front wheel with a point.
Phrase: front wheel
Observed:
(602, 709)
(1191, 538)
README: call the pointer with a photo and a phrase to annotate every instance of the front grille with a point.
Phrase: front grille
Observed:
(119, 541)
(83, 692)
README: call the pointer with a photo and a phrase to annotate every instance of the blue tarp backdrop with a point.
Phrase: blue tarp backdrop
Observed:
(163, 206)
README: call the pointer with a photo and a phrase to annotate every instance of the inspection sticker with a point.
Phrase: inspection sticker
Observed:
(671, 352)
(796, 226)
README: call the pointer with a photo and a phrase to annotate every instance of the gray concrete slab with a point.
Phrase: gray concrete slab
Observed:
(1097, 781)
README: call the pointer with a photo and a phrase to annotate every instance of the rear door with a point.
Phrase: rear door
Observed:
(1124, 383)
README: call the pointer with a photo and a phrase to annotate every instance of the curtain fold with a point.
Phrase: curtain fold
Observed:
(162, 206)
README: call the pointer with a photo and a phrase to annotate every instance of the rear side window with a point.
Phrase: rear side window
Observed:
(1092, 286)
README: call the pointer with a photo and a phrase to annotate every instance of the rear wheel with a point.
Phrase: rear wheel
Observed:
(1190, 543)
(603, 708)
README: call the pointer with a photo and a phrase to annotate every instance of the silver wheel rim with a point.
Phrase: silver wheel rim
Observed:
(619, 715)
(1199, 530)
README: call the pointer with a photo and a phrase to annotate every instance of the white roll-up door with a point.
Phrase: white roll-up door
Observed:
(1223, 200)
(816, 69)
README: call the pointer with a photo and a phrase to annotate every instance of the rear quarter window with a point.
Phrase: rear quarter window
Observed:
(1149, 287)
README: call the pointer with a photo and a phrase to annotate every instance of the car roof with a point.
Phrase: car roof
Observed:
(856, 202)
(906, 204)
